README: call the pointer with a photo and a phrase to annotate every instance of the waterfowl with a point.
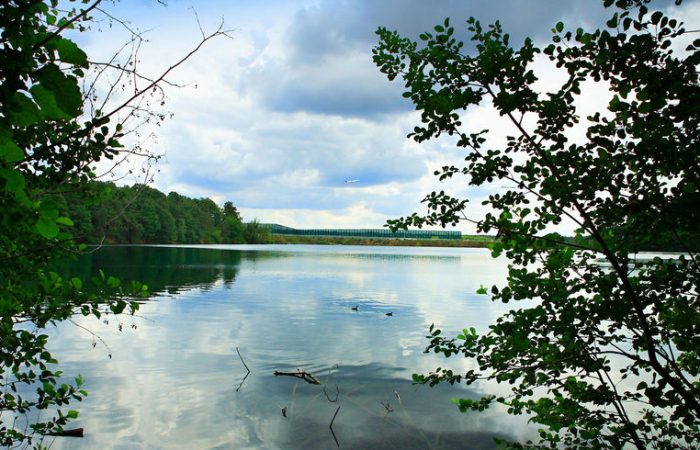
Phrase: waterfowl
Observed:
(355, 308)
(389, 314)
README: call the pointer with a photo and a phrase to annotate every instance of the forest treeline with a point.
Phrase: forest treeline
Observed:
(138, 214)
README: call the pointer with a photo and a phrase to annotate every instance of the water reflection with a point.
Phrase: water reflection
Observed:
(172, 382)
(164, 269)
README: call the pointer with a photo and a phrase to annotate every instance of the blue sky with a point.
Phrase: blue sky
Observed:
(278, 117)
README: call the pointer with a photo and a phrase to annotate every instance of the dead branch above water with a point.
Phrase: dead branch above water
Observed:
(299, 374)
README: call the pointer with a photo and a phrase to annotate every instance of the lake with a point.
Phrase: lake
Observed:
(177, 380)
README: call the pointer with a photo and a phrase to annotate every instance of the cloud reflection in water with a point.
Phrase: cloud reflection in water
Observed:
(172, 382)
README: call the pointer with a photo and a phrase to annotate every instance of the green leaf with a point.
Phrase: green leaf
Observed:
(23, 111)
(118, 307)
(72, 414)
(49, 209)
(65, 89)
(9, 151)
(559, 27)
(47, 102)
(70, 53)
(77, 283)
(614, 102)
(113, 282)
(14, 180)
(47, 227)
(65, 221)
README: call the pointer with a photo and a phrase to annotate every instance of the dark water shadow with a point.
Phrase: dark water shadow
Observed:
(163, 269)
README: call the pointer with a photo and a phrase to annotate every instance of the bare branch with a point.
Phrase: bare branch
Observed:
(139, 93)
(135, 73)
(94, 336)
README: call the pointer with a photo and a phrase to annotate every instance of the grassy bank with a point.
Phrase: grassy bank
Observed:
(472, 241)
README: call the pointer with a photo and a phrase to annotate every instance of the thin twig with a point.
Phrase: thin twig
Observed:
(387, 406)
(83, 14)
(337, 393)
(246, 368)
(93, 336)
(330, 426)
(244, 364)
(123, 23)
(133, 72)
(219, 32)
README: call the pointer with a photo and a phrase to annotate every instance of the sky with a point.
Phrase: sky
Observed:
(276, 117)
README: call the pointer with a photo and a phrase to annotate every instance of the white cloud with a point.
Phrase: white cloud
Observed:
(292, 106)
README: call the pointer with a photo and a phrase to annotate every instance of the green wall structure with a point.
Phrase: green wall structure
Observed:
(365, 232)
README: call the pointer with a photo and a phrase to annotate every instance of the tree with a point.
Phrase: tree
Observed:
(255, 232)
(231, 211)
(601, 356)
(52, 134)
(232, 227)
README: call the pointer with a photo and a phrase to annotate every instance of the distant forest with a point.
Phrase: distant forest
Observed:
(139, 214)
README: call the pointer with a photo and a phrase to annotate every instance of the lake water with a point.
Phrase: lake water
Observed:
(177, 381)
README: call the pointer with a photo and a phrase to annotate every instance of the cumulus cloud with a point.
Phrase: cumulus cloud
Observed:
(277, 118)
(344, 84)
(326, 67)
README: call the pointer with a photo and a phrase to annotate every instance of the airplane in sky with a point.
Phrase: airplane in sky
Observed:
(351, 181)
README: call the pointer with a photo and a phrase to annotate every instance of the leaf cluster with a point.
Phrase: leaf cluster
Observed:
(600, 355)
(46, 144)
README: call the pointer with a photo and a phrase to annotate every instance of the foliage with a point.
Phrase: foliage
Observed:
(52, 134)
(230, 211)
(139, 214)
(42, 145)
(255, 232)
(599, 355)
(467, 241)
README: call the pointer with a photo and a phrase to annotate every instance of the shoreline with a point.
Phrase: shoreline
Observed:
(469, 242)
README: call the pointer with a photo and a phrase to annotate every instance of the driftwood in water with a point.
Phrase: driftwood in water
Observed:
(75, 432)
(306, 376)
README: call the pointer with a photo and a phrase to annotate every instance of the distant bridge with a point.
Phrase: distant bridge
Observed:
(366, 232)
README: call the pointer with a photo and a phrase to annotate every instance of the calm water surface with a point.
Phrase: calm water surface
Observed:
(176, 381)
